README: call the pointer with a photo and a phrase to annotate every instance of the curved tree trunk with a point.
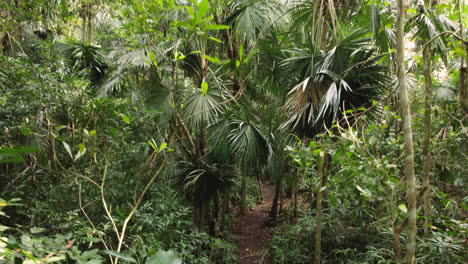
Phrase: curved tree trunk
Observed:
(408, 155)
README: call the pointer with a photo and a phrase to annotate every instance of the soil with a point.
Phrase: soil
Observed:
(252, 233)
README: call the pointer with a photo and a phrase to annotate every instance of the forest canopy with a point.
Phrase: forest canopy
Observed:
(233, 131)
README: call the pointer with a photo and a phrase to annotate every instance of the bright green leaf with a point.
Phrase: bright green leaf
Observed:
(125, 118)
(216, 27)
(403, 208)
(204, 88)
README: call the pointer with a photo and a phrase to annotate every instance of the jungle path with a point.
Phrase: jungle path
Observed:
(251, 232)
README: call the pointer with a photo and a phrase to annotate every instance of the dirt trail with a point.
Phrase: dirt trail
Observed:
(252, 233)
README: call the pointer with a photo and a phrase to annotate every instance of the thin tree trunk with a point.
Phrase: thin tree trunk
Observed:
(214, 221)
(318, 209)
(83, 25)
(464, 89)
(294, 194)
(90, 25)
(243, 194)
(224, 210)
(408, 156)
(274, 205)
(204, 211)
(260, 189)
(427, 141)
(281, 195)
(463, 65)
(396, 244)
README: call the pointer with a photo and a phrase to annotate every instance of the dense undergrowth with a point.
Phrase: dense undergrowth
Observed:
(139, 131)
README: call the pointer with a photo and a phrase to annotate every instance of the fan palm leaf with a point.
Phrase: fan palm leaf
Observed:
(251, 18)
(347, 76)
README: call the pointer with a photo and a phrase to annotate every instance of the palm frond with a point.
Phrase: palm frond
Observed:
(347, 76)
(253, 17)
(200, 109)
(249, 145)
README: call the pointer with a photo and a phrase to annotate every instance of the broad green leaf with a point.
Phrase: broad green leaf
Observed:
(212, 59)
(37, 230)
(411, 10)
(67, 147)
(163, 146)
(216, 27)
(81, 152)
(215, 39)
(121, 255)
(241, 52)
(55, 259)
(153, 144)
(58, 128)
(204, 88)
(28, 255)
(153, 59)
(363, 191)
(190, 10)
(203, 8)
(164, 257)
(125, 118)
(81, 147)
(238, 63)
(317, 152)
(92, 133)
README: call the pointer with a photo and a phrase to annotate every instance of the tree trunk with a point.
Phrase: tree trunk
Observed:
(274, 205)
(243, 194)
(318, 217)
(204, 212)
(224, 211)
(463, 66)
(215, 217)
(281, 195)
(83, 24)
(427, 142)
(294, 194)
(464, 89)
(396, 244)
(260, 189)
(90, 25)
(408, 156)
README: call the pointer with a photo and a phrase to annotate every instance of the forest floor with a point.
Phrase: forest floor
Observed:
(252, 233)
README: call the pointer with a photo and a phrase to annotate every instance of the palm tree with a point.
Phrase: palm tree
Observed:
(348, 76)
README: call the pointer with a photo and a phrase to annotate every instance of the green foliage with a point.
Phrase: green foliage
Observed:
(33, 246)
(142, 116)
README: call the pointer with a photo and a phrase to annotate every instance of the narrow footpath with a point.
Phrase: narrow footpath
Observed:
(252, 233)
